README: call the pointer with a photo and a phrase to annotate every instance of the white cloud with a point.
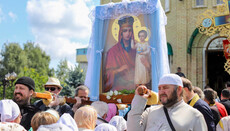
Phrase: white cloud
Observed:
(60, 26)
(12, 16)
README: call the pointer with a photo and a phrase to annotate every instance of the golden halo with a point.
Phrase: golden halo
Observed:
(116, 27)
(139, 29)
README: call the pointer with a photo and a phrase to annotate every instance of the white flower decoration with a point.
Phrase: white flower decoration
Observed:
(119, 100)
(110, 93)
(108, 97)
(115, 92)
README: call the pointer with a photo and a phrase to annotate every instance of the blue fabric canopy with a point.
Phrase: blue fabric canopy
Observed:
(154, 19)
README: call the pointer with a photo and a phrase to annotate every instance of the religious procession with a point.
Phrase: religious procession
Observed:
(151, 65)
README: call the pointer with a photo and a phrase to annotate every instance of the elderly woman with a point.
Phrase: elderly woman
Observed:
(85, 118)
(44, 118)
(9, 111)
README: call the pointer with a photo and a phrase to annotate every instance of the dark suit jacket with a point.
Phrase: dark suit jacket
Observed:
(27, 112)
(204, 108)
(226, 104)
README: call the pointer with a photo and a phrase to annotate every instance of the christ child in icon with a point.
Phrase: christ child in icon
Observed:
(142, 72)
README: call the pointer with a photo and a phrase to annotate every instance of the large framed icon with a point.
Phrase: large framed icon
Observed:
(127, 48)
(126, 62)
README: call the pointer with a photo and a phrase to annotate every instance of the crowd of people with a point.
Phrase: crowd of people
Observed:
(181, 107)
(21, 115)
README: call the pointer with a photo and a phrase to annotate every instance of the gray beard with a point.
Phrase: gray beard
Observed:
(171, 101)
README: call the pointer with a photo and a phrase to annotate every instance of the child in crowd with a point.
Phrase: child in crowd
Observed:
(44, 118)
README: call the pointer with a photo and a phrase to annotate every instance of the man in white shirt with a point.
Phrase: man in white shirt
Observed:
(182, 116)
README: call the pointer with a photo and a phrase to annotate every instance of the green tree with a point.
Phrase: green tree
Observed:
(30, 61)
(39, 80)
(51, 72)
(76, 77)
(14, 59)
(67, 91)
(37, 58)
(62, 71)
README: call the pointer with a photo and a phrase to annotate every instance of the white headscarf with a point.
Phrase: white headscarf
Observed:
(54, 127)
(67, 120)
(105, 127)
(119, 122)
(9, 110)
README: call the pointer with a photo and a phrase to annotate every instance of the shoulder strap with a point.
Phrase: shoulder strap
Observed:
(102, 120)
(168, 118)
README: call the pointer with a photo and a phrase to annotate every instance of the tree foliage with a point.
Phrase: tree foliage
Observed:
(33, 62)
(37, 59)
(62, 71)
(14, 59)
(30, 61)
(76, 77)
(39, 80)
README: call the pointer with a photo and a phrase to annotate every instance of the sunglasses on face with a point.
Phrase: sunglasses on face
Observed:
(50, 88)
(83, 97)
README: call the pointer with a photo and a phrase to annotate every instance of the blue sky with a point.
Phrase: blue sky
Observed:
(57, 26)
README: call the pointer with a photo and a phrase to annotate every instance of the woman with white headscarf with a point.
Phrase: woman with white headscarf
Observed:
(105, 127)
(10, 116)
(9, 111)
(119, 122)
